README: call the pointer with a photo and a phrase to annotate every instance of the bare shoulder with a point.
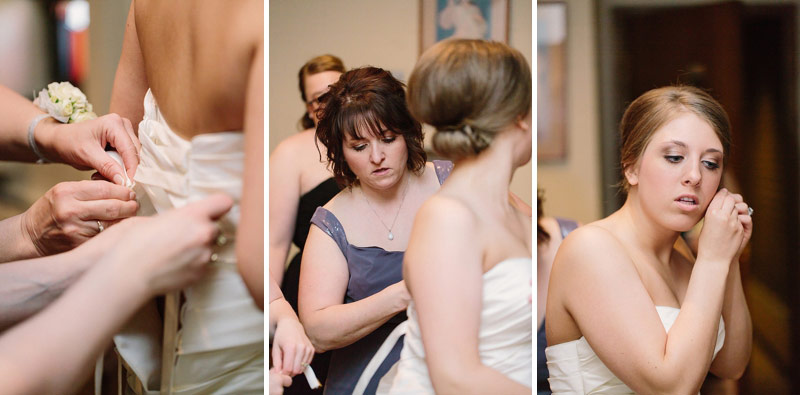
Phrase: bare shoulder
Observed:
(592, 264)
(449, 221)
(592, 248)
(443, 239)
(446, 212)
(296, 143)
(595, 235)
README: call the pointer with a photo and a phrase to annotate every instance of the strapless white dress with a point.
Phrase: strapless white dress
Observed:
(504, 339)
(220, 343)
(576, 369)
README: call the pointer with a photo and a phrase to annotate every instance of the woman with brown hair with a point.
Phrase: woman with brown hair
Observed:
(352, 296)
(468, 266)
(626, 311)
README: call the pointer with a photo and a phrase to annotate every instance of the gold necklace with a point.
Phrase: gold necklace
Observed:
(390, 236)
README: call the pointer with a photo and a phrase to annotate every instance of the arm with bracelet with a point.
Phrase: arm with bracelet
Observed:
(72, 212)
(27, 134)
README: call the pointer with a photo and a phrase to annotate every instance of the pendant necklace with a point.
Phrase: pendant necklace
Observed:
(390, 236)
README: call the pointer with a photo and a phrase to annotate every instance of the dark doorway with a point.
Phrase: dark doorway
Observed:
(745, 56)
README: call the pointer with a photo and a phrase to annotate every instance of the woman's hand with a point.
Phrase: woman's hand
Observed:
(165, 252)
(68, 214)
(291, 349)
(403, 297)
(82, 145)
(722, 237)
(745, 219)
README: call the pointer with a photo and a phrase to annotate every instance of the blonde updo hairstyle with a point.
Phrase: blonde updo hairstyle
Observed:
(655, 108)
(469, 90)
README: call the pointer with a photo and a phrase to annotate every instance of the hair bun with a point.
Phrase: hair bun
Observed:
(469, 90)
(460, 141)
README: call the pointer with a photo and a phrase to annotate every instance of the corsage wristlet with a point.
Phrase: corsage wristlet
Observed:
(64, 103)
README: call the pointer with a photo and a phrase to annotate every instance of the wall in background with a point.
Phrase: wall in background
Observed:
(21, 38)
(572, 188)
(361, 32)
(26, 63)
(106, 30)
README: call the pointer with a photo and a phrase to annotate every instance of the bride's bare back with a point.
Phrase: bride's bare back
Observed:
(204, 62)
(197, 58)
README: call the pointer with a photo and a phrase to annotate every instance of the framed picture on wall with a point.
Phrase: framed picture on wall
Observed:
(442, 19)
(551, 95)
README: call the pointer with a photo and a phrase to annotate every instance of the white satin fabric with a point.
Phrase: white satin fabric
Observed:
(504, 338)
(220, 343)
(576, 369)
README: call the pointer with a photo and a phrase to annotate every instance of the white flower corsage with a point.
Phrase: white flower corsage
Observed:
(65, 103)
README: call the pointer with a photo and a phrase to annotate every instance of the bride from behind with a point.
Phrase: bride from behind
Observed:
(468, 264)
(192, 72)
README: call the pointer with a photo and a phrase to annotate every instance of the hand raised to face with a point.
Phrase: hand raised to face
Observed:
(745, 218)
(723, 234)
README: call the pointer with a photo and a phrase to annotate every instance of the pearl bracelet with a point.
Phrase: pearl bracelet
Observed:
(32, 140)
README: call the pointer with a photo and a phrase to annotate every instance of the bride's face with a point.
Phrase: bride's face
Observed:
(316, 85)
(679, 172)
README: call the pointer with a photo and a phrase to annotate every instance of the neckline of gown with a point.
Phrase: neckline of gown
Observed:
(161, 119)
(519, 258)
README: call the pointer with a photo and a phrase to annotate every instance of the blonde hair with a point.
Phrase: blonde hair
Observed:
(469, 90)
(656, 107)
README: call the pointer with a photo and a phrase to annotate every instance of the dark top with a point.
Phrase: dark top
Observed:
(542, 385)
(371, 270)
(309, 202)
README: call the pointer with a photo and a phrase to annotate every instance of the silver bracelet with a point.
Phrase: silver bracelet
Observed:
(32, 140)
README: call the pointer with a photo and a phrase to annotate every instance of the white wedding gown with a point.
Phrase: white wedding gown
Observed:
(220, 343)
(504, 338)
(576, 369)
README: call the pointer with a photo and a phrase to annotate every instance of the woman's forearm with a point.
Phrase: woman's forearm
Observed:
(279, 310)
(14, 126)
(26, 287)
(683, 368)
(734, 356)
(277, 262)
(16, 243)
(69, 334)
(340, 325)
